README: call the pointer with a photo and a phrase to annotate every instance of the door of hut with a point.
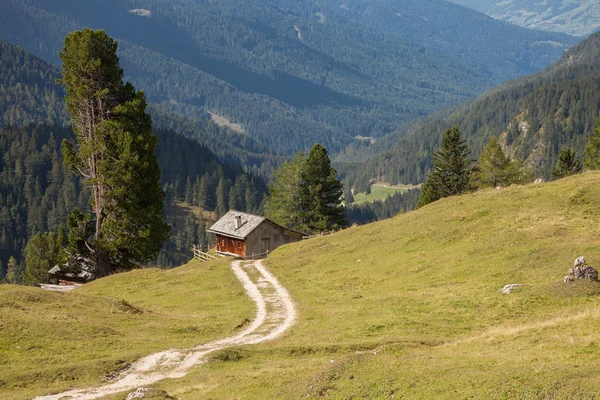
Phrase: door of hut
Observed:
(264, 245)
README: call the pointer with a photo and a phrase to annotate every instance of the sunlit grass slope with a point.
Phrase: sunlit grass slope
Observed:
(412, 307)
(53, 341)
(379, 192)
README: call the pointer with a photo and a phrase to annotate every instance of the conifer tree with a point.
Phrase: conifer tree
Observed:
(250, 199)
(496, 169)
(13, 273)
(202, 195)
(450, 174)
(282, 204)
(189, 191)
(567, 164)
(348, 196)
(592, 150)
(222, 191)
(191, 230)
(492, 165)
(42, 253)
(429, 191)
(115, 155)
(202, 235)
(321, 193)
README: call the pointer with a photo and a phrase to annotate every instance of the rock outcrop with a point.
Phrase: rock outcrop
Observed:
(149, 393)
(581, 270)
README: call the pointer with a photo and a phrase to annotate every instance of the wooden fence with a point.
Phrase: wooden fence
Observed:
(202, 256)
(319, 234)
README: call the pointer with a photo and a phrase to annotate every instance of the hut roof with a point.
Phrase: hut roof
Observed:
(227, 225)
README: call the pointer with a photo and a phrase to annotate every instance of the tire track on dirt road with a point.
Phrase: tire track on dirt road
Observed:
(275, 314)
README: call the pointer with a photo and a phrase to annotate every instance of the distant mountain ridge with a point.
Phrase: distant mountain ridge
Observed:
(581, 17)
(472, 36)
(290, 72)
(533, 116)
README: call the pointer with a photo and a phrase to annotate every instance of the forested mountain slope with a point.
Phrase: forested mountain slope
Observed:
(470, 37)
(290, 72)
(575, 17)
(37, 191)
(28, 93)
(533, 116)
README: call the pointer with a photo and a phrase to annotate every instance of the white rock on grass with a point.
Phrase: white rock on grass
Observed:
(138, 394)
(509, 288)
(579, 262)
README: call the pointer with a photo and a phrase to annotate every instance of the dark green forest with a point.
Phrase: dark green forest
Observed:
(292, 72)
(28, 93)
(37, 192)
(533, 117)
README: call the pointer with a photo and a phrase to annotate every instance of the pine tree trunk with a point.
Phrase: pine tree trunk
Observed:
(103, 267)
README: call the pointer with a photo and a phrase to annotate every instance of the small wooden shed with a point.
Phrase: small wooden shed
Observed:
(250, 236)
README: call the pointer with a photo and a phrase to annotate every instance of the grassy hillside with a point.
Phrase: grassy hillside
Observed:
(411, 307)
(53, 341)
(408, 307)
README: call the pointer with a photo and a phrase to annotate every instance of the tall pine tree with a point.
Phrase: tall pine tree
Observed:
(321, 193)
(450, 174)
(282, 205)
(567, 164)
(496, 169)
(115, 155)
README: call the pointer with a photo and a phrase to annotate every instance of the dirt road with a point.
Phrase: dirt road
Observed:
(275, 314)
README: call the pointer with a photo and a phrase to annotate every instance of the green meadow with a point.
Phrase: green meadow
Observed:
(379, 192)
(55, 341)
(409, 307)
(412, 307)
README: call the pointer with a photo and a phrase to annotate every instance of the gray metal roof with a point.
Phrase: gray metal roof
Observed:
(226, 225)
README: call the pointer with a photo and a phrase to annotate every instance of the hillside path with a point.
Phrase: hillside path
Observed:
(275, 314)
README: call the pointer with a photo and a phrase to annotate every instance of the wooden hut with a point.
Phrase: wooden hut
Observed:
(250, 236)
